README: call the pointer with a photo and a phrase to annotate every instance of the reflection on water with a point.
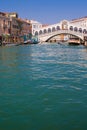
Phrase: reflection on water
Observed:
(43, 87)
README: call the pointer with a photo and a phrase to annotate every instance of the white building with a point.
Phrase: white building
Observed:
(80, 21)
(35, 25)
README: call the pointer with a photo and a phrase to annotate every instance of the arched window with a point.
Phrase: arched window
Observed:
(71, 28)
(53, 29)
(80, 30)
(36, 33)
(75, 29)
(45, 31)
(40, 32)
(58, 28)
(49, 30)
(84, 31)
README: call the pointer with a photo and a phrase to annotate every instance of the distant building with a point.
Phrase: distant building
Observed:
(45, 25)
(2, 14)
(12, 25)
(4, 24)
(80, 21)
(35, 25)
(24, 26)
(13, 15)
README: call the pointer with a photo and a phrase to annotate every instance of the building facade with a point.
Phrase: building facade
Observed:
(12, 26)
(35, 25)
(80, 21)
(4, 24)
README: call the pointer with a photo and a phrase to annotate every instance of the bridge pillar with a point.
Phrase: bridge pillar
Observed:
(85, 43)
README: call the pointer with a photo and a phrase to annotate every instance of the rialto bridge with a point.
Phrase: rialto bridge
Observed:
(64, 27)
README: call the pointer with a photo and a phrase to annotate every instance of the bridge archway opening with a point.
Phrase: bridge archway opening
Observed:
(49, 30)
(40, 32)
(36, 33)
(71, 28)
(45, 31)
(85, 31)
(58, 28)
(75, 29)
(53, 29)
(80, 30)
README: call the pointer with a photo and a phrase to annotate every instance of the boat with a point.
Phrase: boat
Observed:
(27, 42)
(63, 42)
(33, 40)
(74, 42)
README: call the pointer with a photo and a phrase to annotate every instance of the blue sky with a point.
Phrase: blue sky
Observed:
(46, 11)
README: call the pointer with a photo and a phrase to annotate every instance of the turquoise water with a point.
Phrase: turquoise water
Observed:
(43, 87)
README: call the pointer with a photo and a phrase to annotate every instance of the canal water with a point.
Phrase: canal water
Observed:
(43, 87)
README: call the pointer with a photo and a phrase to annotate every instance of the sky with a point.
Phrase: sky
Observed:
(46, 11)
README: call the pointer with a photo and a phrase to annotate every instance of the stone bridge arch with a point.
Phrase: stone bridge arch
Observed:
(53, 34)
